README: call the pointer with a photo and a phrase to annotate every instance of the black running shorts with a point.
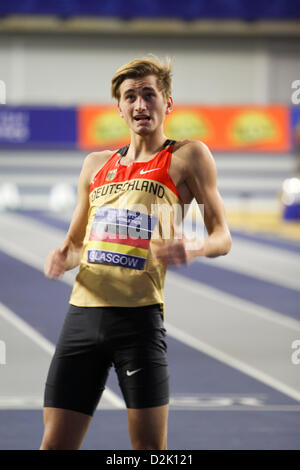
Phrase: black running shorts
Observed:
(95, 338)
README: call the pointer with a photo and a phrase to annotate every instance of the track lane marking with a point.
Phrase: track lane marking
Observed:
(47, 346)
(209, 292)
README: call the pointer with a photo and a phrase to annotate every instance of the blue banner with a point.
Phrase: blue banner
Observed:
(295, 127)
(38, 127)
(188, 10)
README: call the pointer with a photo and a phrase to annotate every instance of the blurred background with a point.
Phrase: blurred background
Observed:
(236, 87)
(235, 72)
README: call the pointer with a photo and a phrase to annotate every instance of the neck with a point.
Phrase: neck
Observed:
(145, 145)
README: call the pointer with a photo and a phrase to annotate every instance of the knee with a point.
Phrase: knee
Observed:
(149, 445)
(48, 446)
(63, 429)
(55, 441)
(49, 443)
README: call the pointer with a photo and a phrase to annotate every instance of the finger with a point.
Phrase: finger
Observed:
(54, 273)
(54, 265)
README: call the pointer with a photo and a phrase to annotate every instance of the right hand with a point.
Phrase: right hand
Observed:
(55, 264)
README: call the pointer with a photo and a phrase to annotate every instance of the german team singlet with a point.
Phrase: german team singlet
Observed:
(128, 213)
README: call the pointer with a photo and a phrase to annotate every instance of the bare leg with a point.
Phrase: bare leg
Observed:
(148, 427)
(64, 429)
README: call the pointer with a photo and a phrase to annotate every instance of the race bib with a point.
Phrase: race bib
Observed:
(120, 237)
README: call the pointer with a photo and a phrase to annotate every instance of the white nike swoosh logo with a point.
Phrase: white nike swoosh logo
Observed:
(142, 172)
(131, 372)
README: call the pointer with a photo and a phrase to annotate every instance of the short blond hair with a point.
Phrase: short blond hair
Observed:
(140, 68)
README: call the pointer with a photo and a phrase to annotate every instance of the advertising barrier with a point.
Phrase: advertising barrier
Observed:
(240, 128)
(38, 127)
(91, 128)
(101, 127)
(295, 128)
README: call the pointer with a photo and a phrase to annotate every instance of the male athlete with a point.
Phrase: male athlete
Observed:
(116, 307)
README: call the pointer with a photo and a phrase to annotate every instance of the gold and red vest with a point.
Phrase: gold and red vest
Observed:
(125, 219)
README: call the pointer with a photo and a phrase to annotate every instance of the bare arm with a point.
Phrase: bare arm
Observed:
(68, 255)
(201, 180)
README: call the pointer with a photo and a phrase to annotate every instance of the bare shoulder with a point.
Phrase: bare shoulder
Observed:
(190, 148)
(94, 161)
(194, 155)
(97, 158)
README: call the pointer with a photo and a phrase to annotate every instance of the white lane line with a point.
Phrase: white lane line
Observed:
(47, 346)
(26, 329)
(25, 256)
(195, 287)
(246, 306)
(211, 294)
(265, 269)
(231, 361)
(238, 408)
(265, 263)
(17, 251)
(36, 403)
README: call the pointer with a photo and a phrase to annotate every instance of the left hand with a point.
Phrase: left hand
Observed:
(178, 251)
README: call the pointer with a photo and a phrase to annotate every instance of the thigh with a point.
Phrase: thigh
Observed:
(148, 428)
(64, 429)
(79, 369)
(140, 360)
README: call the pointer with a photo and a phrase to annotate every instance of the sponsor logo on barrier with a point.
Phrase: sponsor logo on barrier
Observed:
(14, 126)
(221, 128)
(41, 126)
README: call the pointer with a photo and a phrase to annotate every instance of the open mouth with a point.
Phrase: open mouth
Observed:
(142, 118)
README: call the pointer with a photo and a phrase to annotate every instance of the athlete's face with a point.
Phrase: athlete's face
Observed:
(143, 105)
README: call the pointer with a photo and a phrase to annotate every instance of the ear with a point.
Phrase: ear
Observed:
(120, 111)
(169, 105)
